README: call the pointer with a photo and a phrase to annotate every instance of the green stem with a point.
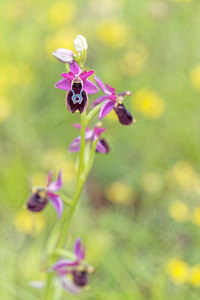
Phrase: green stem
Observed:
(93, 113)
(83, 170)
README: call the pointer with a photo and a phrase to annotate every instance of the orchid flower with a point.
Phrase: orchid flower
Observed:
(42, 195)
(113, 101)
(78, 86)
(92, 135)
(73, 274)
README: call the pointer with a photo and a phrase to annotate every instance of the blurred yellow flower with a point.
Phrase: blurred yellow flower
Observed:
(178, 270)
(29, 223)
(196, 216)
(113, 33)
(179, 211)
(59, 160)
(61, 12)
(185, 175)
(62, 39)
(195, 77)
(17, 74)
(119, 192)
(194, 276)
(152, 182)
(133, 62)
(181, 0)
(5, 108)
(148, 103)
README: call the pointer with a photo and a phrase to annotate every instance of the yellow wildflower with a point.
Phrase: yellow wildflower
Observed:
(119, 192)
(181, 0)
(148, 103)
(133, 62)
(179, 211)
(196, 216)
(178, 270)
(113, 33)
(195, 77)
(61, 12)
(185, 175)
(28, 223)
(152, 182)
(5, 109)
(194, 276)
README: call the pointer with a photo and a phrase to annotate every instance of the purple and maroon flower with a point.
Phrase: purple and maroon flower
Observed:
(113, 101)
(73, 274)
(78, 85)
(42, 195)
(90, 135)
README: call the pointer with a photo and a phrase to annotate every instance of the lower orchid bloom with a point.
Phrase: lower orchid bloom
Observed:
(42, 195)
(90, 135)
(73, 274)
(78, 85)
(113, 101)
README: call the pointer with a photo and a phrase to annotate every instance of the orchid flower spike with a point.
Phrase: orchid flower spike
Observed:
(73, 274)
(113, 101)
(90, 135)
(42, 195)
(78, 85)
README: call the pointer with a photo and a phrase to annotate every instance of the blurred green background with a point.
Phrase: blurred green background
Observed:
(140, 213)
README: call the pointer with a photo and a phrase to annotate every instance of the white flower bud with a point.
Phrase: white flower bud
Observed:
(80, 43)
(63, 55)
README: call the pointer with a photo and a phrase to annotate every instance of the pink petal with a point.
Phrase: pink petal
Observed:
(106, 108)
(74, 67)
(111, 89)
(62, 263)
(57, 203)
(79, 251)
(63, 84)
(90, 87)
(49, 177)
(84, 75)
(70, 76)
(77, 246)
(101, 85)
(75, 145)
(98, 131)
(57, 184)
(99, 100)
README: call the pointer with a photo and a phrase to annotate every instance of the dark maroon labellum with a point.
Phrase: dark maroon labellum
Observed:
(36, 202)
(76, 98)
(123, 114)
(80, 278)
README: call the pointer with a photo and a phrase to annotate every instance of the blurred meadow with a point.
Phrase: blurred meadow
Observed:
(140, 211)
